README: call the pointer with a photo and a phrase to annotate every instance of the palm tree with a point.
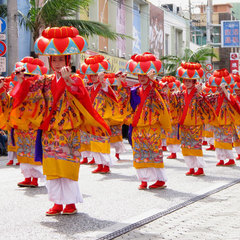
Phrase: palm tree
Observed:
(56, 13)
(3, 10)
(201, 55)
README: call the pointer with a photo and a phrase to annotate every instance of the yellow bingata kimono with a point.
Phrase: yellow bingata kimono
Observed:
(26, 116)
(68, 110)
(105, 102)
(148, 116)
(193, 112)
(227, 117)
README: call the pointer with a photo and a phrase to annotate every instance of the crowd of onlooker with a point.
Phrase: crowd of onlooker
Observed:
(3, 143)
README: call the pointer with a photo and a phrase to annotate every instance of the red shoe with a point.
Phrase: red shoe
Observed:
(190, 172)
(220, 163)
(164, 148)
(105, 169)
(172, 156)
(25, 183)
(199, 172)
(158, 184)
(10, 163)
(117, 156)
(231, 162)
(143, 186)
(92, 161)
(84, 161)
(70, 209)
(98, 169)
(204, 143)
(34, 182)
(18, 163)
(55, 210)
(238, 158)
(211, 148)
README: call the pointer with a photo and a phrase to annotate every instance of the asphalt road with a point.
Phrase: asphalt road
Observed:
(111, 202)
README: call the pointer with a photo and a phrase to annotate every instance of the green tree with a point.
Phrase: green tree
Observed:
(3, 10)
(56, 13)
(201, 55)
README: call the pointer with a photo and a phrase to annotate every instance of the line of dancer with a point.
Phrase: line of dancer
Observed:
(58, 121)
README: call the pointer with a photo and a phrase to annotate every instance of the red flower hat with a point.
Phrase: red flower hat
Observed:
(220, 76)
(60, 41)
(94, 65)
(172, 82)
(190, 70)
(33, 66)
(110, 78)
(142, 63)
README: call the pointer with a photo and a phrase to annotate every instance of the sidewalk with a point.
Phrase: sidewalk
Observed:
(216, 217)
(113, 203)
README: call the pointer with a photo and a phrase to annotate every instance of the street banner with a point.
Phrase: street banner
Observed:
(156, 33)
(230, 33)
(234, 62)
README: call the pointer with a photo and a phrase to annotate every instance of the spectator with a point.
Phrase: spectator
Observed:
(3, 140)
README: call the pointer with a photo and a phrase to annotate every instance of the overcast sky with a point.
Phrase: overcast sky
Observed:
(184, 3)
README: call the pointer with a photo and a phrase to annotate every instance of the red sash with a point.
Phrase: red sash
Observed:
(187, 99)
(21, 90)
(94, 92)
(220, 102)
(143, 95)
(57, 89)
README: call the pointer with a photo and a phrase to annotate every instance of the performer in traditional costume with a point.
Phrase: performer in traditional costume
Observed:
(68, 109)
(4, 123)
(193, 111)
(226, 114)
(26, 116)
(173, 140)
(235, 102)
(105, 102)
(116, 140)
(148, 115)
(208, 130)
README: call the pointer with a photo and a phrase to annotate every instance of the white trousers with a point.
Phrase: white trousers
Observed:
(30, 170)
(119, 147)
(64, 191)
(12, 155)
(151, 174)
(174, 148)
(164, 142)
(223, 154)
(194, 161)
(210, 140)
(237, 150)
(103, 158)
(86, 154)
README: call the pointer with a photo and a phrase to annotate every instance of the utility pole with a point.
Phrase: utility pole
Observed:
(209, 25)
(190, 9)
(209, 21)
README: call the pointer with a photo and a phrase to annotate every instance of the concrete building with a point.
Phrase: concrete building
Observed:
(220, 13)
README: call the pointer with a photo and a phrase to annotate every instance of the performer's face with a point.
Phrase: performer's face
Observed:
(143, 79)
(237, 91)
(94, 78)
(58, 62)
(189, 83)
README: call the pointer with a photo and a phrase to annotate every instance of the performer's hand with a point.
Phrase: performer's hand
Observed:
(151, 74)
(65, 73)
(223, 88)
(165, 87)
(19, 72)
(1, 82)
(199, 87)
(101, 79)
